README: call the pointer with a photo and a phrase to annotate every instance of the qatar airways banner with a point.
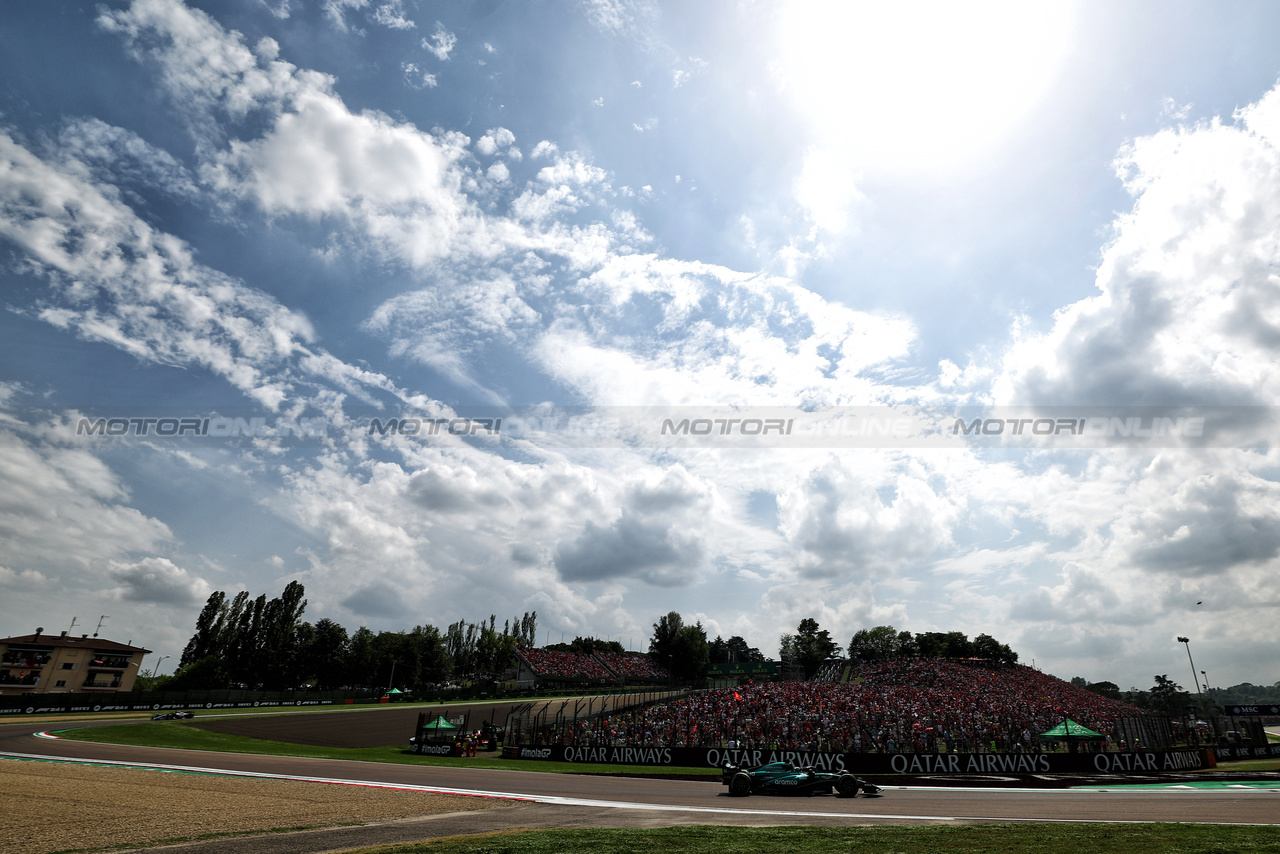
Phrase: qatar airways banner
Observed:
(1127, 762)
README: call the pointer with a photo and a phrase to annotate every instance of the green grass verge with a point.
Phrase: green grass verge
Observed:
(177, 735)
(965, 839)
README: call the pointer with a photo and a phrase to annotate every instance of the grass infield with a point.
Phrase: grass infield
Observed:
(175, 734)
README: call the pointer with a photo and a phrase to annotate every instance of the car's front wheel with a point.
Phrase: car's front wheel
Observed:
(740, 785)
(847, 786)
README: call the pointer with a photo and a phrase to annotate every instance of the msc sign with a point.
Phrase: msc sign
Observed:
(1252, 711)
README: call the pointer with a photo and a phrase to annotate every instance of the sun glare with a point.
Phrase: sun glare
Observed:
(918, 86)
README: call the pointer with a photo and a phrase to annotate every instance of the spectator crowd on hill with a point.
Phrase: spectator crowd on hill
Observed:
(598, 667)
(894, 706)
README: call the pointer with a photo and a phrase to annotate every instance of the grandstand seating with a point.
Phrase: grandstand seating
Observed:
(902, 706)
(599, 667)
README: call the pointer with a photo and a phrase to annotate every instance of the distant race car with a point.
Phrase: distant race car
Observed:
(174, 716)
(784, 778)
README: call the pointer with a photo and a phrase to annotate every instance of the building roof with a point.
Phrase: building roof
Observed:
(66, 640)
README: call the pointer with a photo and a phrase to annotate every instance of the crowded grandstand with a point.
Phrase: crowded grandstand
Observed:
(915, 705)
(599, 667)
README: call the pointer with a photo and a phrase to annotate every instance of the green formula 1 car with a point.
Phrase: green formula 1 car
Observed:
(784, 778)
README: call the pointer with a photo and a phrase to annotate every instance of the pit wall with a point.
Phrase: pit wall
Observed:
(1114, 762)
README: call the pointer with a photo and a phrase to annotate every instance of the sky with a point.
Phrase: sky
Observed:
(950, 317)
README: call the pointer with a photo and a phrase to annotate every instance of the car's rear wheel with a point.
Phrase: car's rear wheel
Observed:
(740, 785)
(847, 786)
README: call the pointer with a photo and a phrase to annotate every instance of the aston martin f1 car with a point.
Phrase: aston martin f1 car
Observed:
(785, 778)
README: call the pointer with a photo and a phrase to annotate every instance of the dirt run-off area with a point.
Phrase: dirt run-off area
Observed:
(66, 807)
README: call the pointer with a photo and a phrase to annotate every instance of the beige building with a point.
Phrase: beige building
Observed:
(54, 664)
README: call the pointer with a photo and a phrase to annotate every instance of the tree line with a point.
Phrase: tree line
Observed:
(1167, 696)
(265, 644)
(687, 652)
(885, 642)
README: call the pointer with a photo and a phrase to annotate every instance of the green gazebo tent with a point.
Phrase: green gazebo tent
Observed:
(439, 725)
(1069, 730)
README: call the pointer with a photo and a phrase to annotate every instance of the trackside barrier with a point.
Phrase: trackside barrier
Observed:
(1112, 762)
(45, 704)
(1236, 753)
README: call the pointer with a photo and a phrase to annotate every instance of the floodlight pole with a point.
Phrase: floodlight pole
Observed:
(1195, 680)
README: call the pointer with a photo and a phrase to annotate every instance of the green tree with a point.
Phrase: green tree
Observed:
(208, 639)
(431, 653)
(718, 651)
(461, 643)
(206, 674)
(280, 642)
(740, 651)
(1167, 696)
(876, 644)
(322, 655)
(361, 660)
(690, 653)
(734, 649)
(812, 645)
(1105, 689)
(662, 644)
(526, 629)
(985, 646)
(494, 652)
(907, 646)
(590, 644)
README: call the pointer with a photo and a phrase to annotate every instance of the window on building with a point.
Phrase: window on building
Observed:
(68, 665)
(61, 683)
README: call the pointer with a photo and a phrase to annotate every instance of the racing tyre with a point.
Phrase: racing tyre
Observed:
(740, 785)
(847, 786)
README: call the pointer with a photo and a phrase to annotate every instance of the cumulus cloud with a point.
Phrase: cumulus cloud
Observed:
(157, 580)
(848, 521)
(378, 600)
(1188, 309)
(437, 526)
(1209, 523)
(64, 508)
(391, 181)
(656, 538)
(496, 140)
(631, 548)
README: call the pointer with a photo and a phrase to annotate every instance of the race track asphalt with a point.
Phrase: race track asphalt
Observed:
(570, 800)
